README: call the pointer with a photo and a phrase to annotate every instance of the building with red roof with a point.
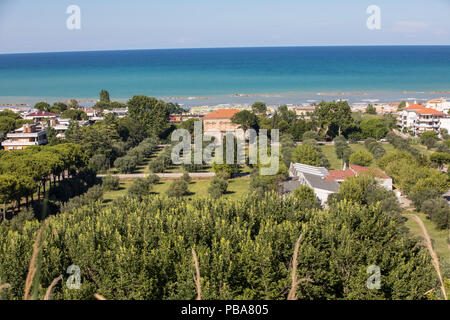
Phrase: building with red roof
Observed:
(220, 120)
(419, 119)
(355, 170)
(40, 115)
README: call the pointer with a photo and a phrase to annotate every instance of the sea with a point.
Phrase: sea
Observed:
(195, 77)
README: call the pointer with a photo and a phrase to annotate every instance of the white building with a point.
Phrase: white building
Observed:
(420, 119)
(313, 177)
(28, 135)
(439, 104)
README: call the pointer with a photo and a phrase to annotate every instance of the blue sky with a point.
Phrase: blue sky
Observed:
(40, 26)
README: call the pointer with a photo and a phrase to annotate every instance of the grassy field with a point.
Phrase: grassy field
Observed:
(439, 238)
(237, 187)
(336, 164)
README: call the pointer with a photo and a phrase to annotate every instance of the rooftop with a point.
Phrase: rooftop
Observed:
(221, 114)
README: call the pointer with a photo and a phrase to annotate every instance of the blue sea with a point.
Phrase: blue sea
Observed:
(273, 74)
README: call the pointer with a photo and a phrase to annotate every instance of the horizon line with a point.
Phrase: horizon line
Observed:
(232, 47)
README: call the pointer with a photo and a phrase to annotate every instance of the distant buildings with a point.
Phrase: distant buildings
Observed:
(40, 116)
(419, 119)
(325, 182)
(439, 104)
(220, 120)
(28, 135)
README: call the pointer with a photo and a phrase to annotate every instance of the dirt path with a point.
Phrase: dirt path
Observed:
(433, 254)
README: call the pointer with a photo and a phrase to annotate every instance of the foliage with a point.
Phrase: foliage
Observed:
(140, 188)
(370, 109)
(246, 120)
(135, 249)
(306, 154)
(110, 182)
(361, 158)
(126, 164)
(373, 128)
(178, 188)
(217, 188)
(333, 117)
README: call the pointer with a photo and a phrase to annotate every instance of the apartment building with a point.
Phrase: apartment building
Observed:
(420, 119)
(28, 135)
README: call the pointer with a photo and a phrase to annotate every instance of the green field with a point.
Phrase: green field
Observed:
(237, 188)
(336, 164)
(439, 238)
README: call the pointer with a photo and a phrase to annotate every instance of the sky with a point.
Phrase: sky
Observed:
(40, 26)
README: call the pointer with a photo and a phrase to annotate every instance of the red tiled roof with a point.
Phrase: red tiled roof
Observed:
(221, 114)
(361, 170)
(334, 175)
(414, 107)
(428, 111)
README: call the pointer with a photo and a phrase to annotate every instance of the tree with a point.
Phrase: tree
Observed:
(246, 120)
(74, 114)
(104, 96)
(8, 190)
(310, 135)
(42, 106)
(371, 109)
(305, 195)
(440, 158)
(126, 164)
(217, 187)
(186, 177)
(306, 154)
(361, 158)
(177, 188)
(110, 182)
(333, 117)
(259, 108)
(139, 188)
(401, 105)
(99, 162)
(373, 128)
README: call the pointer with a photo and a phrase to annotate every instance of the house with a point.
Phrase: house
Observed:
(439, 104)
(313, 177)
(325, 182)
(40, 116)
(355, 170)
(220, 120)
(28, 135)
(420, 119)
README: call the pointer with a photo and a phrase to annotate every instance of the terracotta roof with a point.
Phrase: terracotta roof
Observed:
(414, 107)
(334, 175)
(360, 170)
(221, 114)
(428, 111)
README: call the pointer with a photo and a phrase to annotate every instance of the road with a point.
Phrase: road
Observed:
(162, 175)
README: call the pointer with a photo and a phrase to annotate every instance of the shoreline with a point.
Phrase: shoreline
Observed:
(296, 98)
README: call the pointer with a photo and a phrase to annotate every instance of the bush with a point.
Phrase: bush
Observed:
(186, 177)
(140, 188)
(110, 182)
(177, 188)
(126, 164)
(99, 163)
(217, 188)
(157, 166)
(92, 195)
(438, 211)
(361, 158)
(368, 142)
(153, 179)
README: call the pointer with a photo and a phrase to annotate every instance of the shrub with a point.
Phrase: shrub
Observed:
(110, 182)
(369, 141)
(438, 211)
(186, 177)
(306, 154)
(217, 188)
(126, 164)
(177, 188)
(362, 158)
(157, 166)
(99, 163)
(153, 179)
(140, 188)
(310, 135)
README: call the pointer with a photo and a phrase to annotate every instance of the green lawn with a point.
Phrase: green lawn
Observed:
(336, 164)
(237, 188)
(439, 237)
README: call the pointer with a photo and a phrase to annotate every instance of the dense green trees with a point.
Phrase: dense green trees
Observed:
(104, 96)
(217, 187)
(373, 128)
(370, 109)
(306, 154)
(135, 249)
(259, 108)
(361, 158)
(110, 182)
(246, 120)
(178, 188)
(333, 117)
